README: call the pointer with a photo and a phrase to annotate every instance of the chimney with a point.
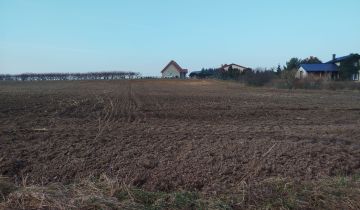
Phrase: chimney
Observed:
(334, 56)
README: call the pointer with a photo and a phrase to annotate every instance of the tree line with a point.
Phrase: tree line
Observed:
(111, 75)
(287, 72)
(256, 77)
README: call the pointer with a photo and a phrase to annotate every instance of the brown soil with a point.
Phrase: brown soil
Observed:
(164, 135)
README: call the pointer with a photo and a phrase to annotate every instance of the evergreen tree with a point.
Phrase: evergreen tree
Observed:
(311, 60)
(293, 63)
(349, 67)
(278, 70)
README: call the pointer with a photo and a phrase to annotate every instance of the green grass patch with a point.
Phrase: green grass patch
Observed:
(105, 193)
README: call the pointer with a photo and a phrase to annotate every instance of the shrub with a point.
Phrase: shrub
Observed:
(308, 83)
(341, 85)
(258, 78)
(287, 79)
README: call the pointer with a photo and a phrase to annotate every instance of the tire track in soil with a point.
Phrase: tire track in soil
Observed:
(133, 105)
(112, 110)
(105, 121)
(130, 104)
(124, 103)
(151, 107)
(138, 102)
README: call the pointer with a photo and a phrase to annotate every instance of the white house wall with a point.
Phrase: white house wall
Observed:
(301, 69)
(170, 72)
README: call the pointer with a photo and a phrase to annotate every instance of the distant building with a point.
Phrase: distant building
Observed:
(319, 70)
(208, 73)
(173, 70)
(203, 74)
(330, 69)
(233, 66)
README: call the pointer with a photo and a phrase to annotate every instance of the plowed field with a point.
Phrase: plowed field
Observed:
(167, 135)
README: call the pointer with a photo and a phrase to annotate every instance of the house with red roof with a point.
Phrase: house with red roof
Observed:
(173, 70)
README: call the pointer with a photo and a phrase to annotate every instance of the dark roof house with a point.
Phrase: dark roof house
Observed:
(329, 69)
(340, 59)
(233, 66)
(320, 67)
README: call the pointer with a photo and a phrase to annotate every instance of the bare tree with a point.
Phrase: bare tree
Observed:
(106, 75)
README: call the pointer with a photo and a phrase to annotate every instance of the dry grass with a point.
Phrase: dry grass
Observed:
(106, 193)
(330, 193)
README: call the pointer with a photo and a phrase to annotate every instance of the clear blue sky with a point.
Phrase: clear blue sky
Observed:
(144, 35)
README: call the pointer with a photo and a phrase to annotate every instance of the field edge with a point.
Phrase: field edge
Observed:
(110, 193)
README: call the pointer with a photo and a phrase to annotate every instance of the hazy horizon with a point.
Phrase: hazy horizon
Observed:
(143, 36)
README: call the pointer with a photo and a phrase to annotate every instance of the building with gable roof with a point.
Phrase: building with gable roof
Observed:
(173, 70)
(330, 69)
